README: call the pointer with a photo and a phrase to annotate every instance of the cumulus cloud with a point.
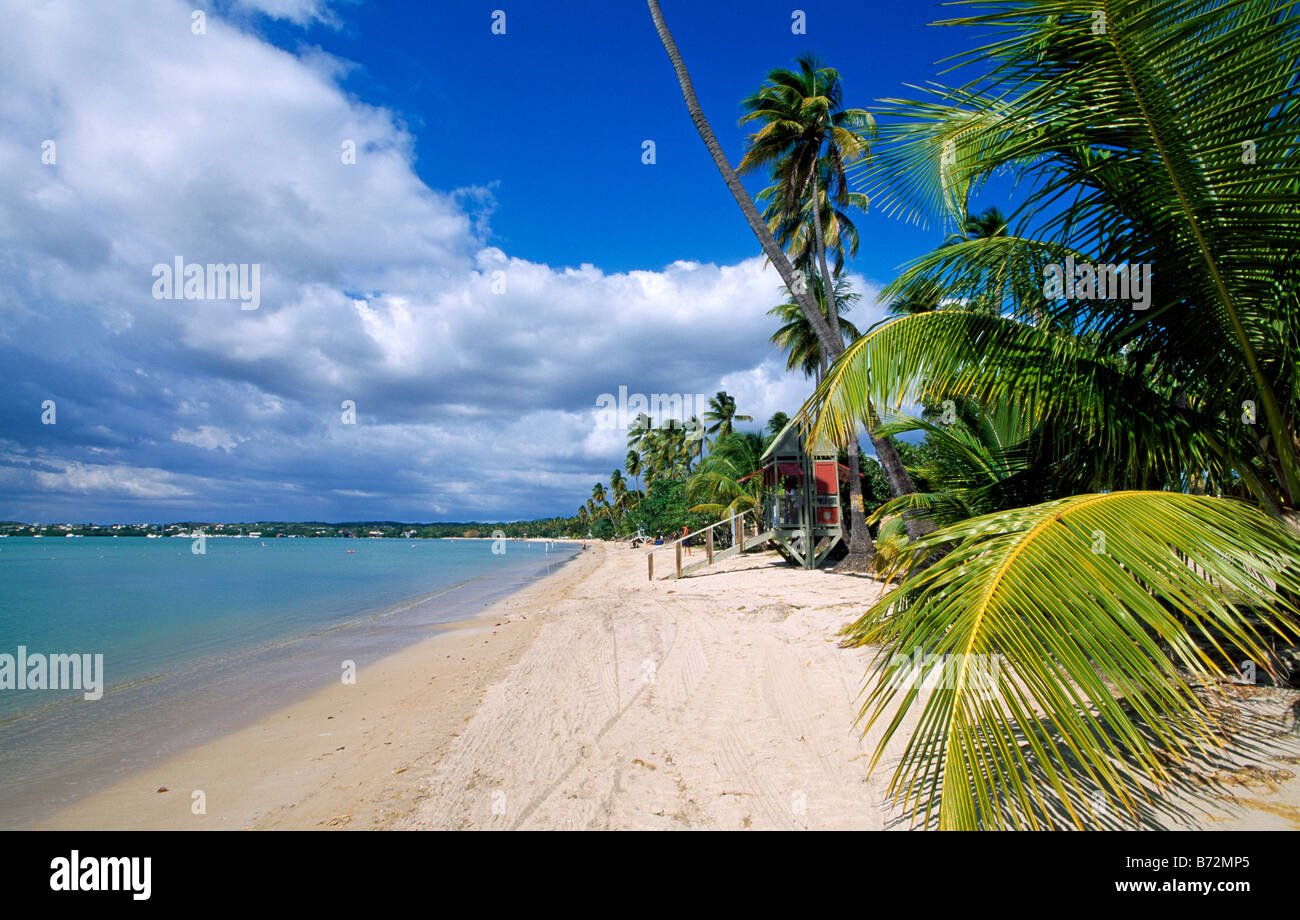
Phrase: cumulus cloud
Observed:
(473, 374)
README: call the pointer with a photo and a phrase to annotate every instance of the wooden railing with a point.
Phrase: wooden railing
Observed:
(736, 526)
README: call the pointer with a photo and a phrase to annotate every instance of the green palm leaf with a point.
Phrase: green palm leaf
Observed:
(1084, 602)
(1137, 434)
(1163, 134)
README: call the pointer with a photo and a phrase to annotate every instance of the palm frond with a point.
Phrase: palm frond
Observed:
(1079, 603)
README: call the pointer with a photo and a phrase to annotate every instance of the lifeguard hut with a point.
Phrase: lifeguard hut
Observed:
(800, 506)
(801, 496)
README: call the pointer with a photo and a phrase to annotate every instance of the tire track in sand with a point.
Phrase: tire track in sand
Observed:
(540, 799)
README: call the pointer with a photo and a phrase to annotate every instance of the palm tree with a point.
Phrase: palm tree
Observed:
(771, 248)
(796, 336)
(923, 297)
(716, 488)
(694, 440)
(1106, 591)
(645, 450)
(989, 223)
(794, 226)
(808, 138)
(978, 463)
(665, 453)
(618, 488)
(722, 413)
(638, 430)
(776, 424)
(632, 463)
(899, 482)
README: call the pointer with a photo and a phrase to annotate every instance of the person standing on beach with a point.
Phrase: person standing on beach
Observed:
(685, 542)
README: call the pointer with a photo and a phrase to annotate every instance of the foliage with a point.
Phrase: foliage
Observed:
(1170, 427)
(663, 510)
(1078, 626)
(716, 490)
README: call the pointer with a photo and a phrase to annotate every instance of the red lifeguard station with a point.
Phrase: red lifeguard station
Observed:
(801, 497)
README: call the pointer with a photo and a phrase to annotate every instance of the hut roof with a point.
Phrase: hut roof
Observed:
(790, 441)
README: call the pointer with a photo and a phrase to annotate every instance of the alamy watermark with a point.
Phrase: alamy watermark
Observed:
(53, 672)
(75, 872)
(215, 281)
(658, 410)
(923, 671)
(1086, 281)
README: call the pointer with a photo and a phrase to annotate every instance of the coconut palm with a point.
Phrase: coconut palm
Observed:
(632, 463)
(716, 488)
(990, 224)
(987, 224)
(794, 227)
(770, 247)
(637, 430)
(796, 337)
(899, 482)
(1150, 158)
(695, 440)
(722, 414)
(807, 138)
(776, 424)
(663, 453)
(924, 296)
(979, 462)
(618, 489)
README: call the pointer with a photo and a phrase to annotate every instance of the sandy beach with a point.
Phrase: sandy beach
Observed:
(596, 699)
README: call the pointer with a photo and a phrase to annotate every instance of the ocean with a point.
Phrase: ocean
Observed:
(195, 645)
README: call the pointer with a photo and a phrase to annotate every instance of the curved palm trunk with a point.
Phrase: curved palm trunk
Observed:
(770, 246)
(832, 343)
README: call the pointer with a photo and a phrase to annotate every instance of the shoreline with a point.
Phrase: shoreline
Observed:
(224, 767)
(595, 699)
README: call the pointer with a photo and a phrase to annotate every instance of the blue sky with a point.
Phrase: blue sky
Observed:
(495, 259)
(552, 114)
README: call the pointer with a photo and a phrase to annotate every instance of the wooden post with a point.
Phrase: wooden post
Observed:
(650, 560)
(708, 544)
(738, 531)
(679, 558)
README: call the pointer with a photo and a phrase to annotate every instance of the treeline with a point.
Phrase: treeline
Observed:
(554, 528)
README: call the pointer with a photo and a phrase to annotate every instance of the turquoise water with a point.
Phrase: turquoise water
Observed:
(195, 645)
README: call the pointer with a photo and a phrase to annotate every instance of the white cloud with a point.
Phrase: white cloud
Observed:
(470, 401)
(115, 480)
(208, 437)
(299, 12)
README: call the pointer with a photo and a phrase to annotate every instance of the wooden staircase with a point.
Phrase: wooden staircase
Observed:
(739, 543)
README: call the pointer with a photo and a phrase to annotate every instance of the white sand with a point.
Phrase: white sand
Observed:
(724, 701)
